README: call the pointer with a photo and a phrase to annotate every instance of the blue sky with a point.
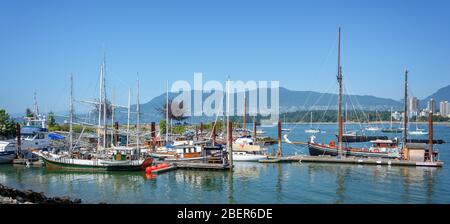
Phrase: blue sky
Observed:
(42, 42)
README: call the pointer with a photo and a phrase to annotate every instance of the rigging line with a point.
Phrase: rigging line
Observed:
(354, 108)
(321, 67)
(329, 104)
(315, 103)
(357, 101)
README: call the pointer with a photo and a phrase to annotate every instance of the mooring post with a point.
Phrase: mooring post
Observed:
(254, 130)
(19, 140)
(279, 152)
(430, 136)
(196, 133)
(116, 133)
(153, 134)
(230, 143)
(201, 128)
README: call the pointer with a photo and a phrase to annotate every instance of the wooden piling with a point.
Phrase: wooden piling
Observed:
(116, 133)
(430, 136)
(153, 134)
(19, 139)
(279, 151)
(254, 130)
(230, 143)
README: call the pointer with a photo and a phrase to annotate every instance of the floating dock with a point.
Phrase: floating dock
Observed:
(195, 165)
(28, 162)
(351, 160)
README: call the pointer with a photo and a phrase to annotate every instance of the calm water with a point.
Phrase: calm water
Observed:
(252, 182)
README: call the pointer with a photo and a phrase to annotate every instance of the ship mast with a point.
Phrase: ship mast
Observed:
(104, 104)
(339, 79)
(100, 107)
(71, 115)
(138, 110)
(167, 112)
(405, 117)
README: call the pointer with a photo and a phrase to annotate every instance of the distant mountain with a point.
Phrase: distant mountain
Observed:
(442, 94)
(290, 100)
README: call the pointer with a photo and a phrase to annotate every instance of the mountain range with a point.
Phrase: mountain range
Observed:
(290, 100)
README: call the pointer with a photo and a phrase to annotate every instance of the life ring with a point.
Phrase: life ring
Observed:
(376, 150)
(128, 157)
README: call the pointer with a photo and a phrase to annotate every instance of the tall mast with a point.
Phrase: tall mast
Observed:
(245, 114)
(100, 106)
(71, 114)
(405, 117)
(36, 107)
(229, 127)
(113, 130)
(104, 104)
(128, 116)
(138, 117)
(167, 112)
(339, 78)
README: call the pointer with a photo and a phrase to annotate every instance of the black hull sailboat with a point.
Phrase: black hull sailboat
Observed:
(381, 146)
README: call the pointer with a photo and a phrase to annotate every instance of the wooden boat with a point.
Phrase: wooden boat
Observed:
(380, 148)
(126, 163)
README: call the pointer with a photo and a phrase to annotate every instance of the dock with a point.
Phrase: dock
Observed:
(352, 160)
(28, 162)
(196, 165)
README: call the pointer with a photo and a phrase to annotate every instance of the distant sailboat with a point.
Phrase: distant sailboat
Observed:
(312, 130)
(391, 129)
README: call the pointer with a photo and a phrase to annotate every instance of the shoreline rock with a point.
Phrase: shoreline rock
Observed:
(13, 196)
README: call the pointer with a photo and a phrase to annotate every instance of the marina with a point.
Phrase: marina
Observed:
(224, 103)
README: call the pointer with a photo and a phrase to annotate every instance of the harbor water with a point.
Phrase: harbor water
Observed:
(286, 183)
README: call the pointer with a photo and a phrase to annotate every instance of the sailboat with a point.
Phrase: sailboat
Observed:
(391, 129)
(245, 147)
(312, 130)
(122, 158)
(379, 148)
(372, 128)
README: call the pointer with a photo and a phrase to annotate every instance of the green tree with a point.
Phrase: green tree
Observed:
(162, 126)
(7, 125)
(29, 113)
(51, 119)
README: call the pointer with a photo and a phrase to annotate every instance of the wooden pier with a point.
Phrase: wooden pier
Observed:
(195, 165)
(28, 162)
(351, 160)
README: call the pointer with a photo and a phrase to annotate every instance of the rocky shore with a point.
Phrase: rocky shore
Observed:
(13, 196)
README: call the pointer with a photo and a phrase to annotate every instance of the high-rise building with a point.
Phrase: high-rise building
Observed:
(444, 108)
(431, 106)
(413, 106)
